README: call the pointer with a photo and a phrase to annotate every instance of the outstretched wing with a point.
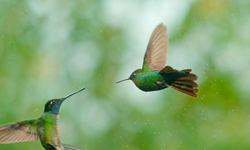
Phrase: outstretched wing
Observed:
(156, 53)
(70, 147)
(19, 132)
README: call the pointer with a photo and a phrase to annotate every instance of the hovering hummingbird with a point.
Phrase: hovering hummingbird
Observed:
(154, 75)
(45, 128)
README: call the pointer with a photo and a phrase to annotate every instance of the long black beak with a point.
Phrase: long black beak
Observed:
(122, 80)
(72, 94)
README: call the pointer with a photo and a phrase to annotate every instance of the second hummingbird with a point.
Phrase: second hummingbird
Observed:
(154, 75)
(45, 128)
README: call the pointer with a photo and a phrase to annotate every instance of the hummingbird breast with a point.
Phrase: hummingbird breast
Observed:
(49, 132)
(150, 82)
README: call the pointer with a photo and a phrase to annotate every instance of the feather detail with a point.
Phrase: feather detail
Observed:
(182, 81)
(190, 93)
(188, 82)
(156, 53)
(19, 132)
(191, 77)
(166, 69)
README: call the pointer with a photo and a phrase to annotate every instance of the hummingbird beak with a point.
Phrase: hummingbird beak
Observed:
(123, 80)
(72, 94)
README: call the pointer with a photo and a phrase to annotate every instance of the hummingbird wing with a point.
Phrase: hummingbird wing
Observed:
(70, 147)
(156, 53)
(19, 132)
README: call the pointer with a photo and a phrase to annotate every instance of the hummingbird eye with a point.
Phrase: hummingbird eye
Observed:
(134, 74)
(52, 102)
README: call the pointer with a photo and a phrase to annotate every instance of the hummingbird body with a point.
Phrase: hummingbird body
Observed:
(154, 75)
(45, 128)
(149, 81)
(49, 132)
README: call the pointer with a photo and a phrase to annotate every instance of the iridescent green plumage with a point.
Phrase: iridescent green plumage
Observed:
(45, 128)
(50, 136)
(154, 75)
(147, 81)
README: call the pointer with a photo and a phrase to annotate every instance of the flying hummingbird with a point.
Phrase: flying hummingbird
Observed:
(45, 128)
(154, 75)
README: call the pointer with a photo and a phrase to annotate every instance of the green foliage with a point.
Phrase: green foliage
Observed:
(50, 49)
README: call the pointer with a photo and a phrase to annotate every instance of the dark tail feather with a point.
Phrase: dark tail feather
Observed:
(188, 92)
(190, 76)
(182, 81)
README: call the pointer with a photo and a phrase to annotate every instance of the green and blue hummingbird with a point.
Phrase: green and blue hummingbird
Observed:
(45, 128)
(154, 75)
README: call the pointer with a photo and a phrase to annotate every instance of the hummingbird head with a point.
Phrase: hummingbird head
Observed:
(52, 106)
(132, 76)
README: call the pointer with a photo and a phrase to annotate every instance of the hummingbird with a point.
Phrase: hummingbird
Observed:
(45, 128)
(155, 75)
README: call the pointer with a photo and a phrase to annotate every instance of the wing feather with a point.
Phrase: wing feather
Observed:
(156, 53)
(19, 132)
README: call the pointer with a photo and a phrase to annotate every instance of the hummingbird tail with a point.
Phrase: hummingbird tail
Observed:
(182, 81)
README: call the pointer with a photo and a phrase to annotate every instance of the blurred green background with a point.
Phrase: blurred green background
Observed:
(49, 49)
